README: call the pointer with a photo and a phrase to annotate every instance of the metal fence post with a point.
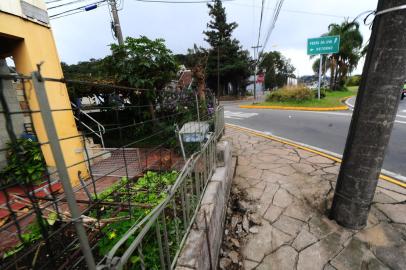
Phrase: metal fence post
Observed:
(49, 125)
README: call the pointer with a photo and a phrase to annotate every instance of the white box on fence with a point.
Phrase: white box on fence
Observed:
(194, 131)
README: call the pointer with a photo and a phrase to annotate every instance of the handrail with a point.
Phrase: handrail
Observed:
(100, 127)
(144, 226)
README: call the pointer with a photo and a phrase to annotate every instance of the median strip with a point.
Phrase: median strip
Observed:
(338, 108)
(301, 108)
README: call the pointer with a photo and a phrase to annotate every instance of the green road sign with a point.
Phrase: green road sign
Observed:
(323, 45)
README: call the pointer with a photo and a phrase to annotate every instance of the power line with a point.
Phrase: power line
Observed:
(260, 22)
(83, 8)
(180, 2)
(67, 4)
(275, 16)
(78, 11)
(50, 2)
(297, 11)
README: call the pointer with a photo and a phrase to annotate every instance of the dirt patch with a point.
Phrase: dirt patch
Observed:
(241, 220)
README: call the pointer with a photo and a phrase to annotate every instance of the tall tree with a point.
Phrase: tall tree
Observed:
(142, 63)
(278, 69)
(346, 60)
(235, 63)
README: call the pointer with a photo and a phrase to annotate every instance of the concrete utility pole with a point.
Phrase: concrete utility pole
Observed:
(374, 115)
(255, 70)
(218, 70)
(116, 22)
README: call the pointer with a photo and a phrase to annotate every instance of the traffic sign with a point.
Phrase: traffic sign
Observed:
(323, 45)
(261, 78)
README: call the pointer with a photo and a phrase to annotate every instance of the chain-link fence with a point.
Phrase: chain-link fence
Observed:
(82, 186)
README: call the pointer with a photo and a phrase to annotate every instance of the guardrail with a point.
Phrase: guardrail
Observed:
(164, 230)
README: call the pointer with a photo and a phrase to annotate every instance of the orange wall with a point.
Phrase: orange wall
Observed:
(38, 46)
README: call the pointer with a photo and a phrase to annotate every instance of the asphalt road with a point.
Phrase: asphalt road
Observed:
(401, 110)
(325, 130)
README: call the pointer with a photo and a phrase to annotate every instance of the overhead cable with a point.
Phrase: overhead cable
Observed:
(180, 2)
(78, 8)
(67, 4)
(260, 21)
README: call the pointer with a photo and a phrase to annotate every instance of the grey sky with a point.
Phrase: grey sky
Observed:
(86, 35)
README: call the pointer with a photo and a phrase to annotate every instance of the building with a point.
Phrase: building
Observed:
(27, 39)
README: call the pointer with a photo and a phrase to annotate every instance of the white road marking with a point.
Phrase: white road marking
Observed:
(243, 115)
(238, 115)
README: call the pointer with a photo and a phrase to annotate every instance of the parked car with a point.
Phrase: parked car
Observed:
(403, 95)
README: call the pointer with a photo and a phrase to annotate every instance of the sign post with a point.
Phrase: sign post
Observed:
(320, 46)
(320, 70)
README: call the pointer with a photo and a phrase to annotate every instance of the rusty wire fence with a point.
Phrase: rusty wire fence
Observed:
(105, 194)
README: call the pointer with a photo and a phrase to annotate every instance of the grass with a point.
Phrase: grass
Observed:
(332, 99)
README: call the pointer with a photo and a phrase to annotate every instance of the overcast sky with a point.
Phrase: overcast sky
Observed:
(87, 35)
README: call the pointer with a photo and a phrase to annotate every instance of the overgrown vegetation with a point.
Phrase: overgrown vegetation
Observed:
(298, 93)
(32, 234)
(28, 153)
(144, 194)
(354, 80)
(331, 99)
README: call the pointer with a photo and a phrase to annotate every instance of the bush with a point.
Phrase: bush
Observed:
(25, 163)
(354, 80)
(291, 93)
(323, 92)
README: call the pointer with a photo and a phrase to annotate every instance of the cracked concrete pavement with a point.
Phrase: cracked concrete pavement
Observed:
(292, 189)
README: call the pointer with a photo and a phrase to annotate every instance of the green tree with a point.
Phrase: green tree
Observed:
(346, 60)
(142, 63)
(278, 69)
(235, 63)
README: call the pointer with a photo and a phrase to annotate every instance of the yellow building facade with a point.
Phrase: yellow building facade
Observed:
(25, 35)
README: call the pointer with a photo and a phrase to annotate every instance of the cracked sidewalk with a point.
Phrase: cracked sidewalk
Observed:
(292, 189)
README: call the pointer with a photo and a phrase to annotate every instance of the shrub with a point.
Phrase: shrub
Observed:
(291, 93)
(323, 92)
(25, 163)
(354, 80)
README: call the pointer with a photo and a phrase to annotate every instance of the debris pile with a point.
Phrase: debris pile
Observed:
(241, 221)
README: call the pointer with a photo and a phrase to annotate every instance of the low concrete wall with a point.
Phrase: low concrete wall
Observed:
(196, 252)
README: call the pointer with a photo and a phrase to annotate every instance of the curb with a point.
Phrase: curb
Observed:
(320, 109)
(312, 150)
(351, 107)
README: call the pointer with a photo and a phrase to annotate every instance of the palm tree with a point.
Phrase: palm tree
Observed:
(346, 60)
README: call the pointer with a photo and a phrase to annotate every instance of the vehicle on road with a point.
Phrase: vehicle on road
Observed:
(403, 95)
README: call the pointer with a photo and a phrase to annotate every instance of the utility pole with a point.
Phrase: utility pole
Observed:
(374, 115)
(255, 69)
(116, 22)
(218, 70)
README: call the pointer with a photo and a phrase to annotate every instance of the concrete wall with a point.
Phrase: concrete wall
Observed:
(34, 10)
(29, 44)
(10, 96)
(195, 253)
